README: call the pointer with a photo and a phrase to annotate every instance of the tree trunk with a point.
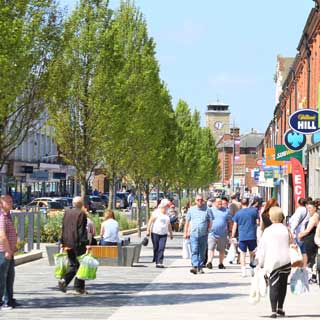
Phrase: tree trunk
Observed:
(147, 202)
(179, 195)
(111, 192)
(83, 184)
(139, 211)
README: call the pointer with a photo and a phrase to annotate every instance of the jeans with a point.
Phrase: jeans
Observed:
(159, 244)
(72, 270)
(198, 250)
(6, 279)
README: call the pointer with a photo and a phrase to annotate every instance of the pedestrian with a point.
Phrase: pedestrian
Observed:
(130, 200)
(218, 235)
(198, 224)
(246, 221)
(273, 256)
(307, 236)
(159, 226)
(265, 221)
(8, 242)
(109, 231)
(297, 224)
(235, 205)
(225, 203)
(74, 240)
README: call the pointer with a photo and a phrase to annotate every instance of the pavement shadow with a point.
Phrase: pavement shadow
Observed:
(96, 300)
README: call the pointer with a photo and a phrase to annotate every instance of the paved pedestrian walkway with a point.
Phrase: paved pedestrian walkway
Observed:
(145, 292)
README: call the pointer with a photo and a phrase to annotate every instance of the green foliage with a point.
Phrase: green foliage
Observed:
(124, 223)
(76, 97)
(51, 229)
(197, 164)
(29, 32)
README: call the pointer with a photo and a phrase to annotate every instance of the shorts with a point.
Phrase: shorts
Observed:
(302, 246)
(217, 243)
(247, 244)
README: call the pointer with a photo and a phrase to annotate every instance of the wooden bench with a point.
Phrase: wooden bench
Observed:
(117, 255)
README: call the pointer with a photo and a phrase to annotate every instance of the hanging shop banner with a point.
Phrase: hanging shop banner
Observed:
(271, 158)
(284, 154)
(294, 140)
(237, 149)
(297, 180)
(304, 121)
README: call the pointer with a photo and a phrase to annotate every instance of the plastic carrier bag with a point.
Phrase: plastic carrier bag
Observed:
(231, 253)
(88, 267)
(186, 249)
(61, 263)
(299, 281)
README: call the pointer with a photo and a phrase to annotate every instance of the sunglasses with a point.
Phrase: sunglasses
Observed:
(199, 199)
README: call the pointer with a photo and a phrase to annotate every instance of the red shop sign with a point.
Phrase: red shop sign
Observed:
(297, 180)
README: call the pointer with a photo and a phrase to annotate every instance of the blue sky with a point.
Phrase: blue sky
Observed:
(209, 49)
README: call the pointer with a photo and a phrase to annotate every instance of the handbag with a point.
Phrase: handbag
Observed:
(296, 258)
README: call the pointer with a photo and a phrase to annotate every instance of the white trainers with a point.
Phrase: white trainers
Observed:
(252, 272)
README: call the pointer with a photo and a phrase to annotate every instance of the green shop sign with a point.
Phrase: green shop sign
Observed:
(268, 174)
(284, 154)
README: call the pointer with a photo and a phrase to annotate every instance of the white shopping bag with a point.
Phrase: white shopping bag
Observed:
(186, 249)
(231, 253)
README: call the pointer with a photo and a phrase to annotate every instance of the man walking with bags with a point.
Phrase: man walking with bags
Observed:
(198, 224)
(74, 240)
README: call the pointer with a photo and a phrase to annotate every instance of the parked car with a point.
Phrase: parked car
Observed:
(153, 198)
(122, 200)
(46, 205)
(94, 204)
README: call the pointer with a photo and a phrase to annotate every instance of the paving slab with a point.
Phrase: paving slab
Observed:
(145, 292)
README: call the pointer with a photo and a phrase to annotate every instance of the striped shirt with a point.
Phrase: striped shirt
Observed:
(6, 225)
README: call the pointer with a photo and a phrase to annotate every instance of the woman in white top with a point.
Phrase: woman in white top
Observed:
(273, 257)
(159, 224)
(109, 230)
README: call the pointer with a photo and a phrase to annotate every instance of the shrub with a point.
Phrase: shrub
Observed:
(51, 229)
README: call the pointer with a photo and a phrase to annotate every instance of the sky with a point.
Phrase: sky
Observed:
(225, 50)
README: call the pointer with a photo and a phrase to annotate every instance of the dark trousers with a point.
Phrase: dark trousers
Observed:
(7, 274)
(159, 244)
(278, 291)
(72, 270)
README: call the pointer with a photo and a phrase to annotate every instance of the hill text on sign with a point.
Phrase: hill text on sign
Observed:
(304, 121)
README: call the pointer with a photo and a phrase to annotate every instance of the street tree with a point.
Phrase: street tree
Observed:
(76, 99)
(29, 33)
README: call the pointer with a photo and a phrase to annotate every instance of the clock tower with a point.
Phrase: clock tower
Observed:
(218, 119)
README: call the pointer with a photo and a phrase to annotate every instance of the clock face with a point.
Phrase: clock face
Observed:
(218, 125)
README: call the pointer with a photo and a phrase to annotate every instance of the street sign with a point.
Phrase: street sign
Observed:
(284, 154)
(294, 140)
(259, 162)
(304, 121)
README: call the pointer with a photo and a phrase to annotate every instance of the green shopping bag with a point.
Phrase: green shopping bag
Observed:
(61, 262)
(88, 267)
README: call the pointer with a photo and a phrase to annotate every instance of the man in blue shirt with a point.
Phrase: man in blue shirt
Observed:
(198, 224)
(246, 221)
(218, 236)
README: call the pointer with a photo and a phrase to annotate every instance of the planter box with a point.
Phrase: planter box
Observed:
(51, 249)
